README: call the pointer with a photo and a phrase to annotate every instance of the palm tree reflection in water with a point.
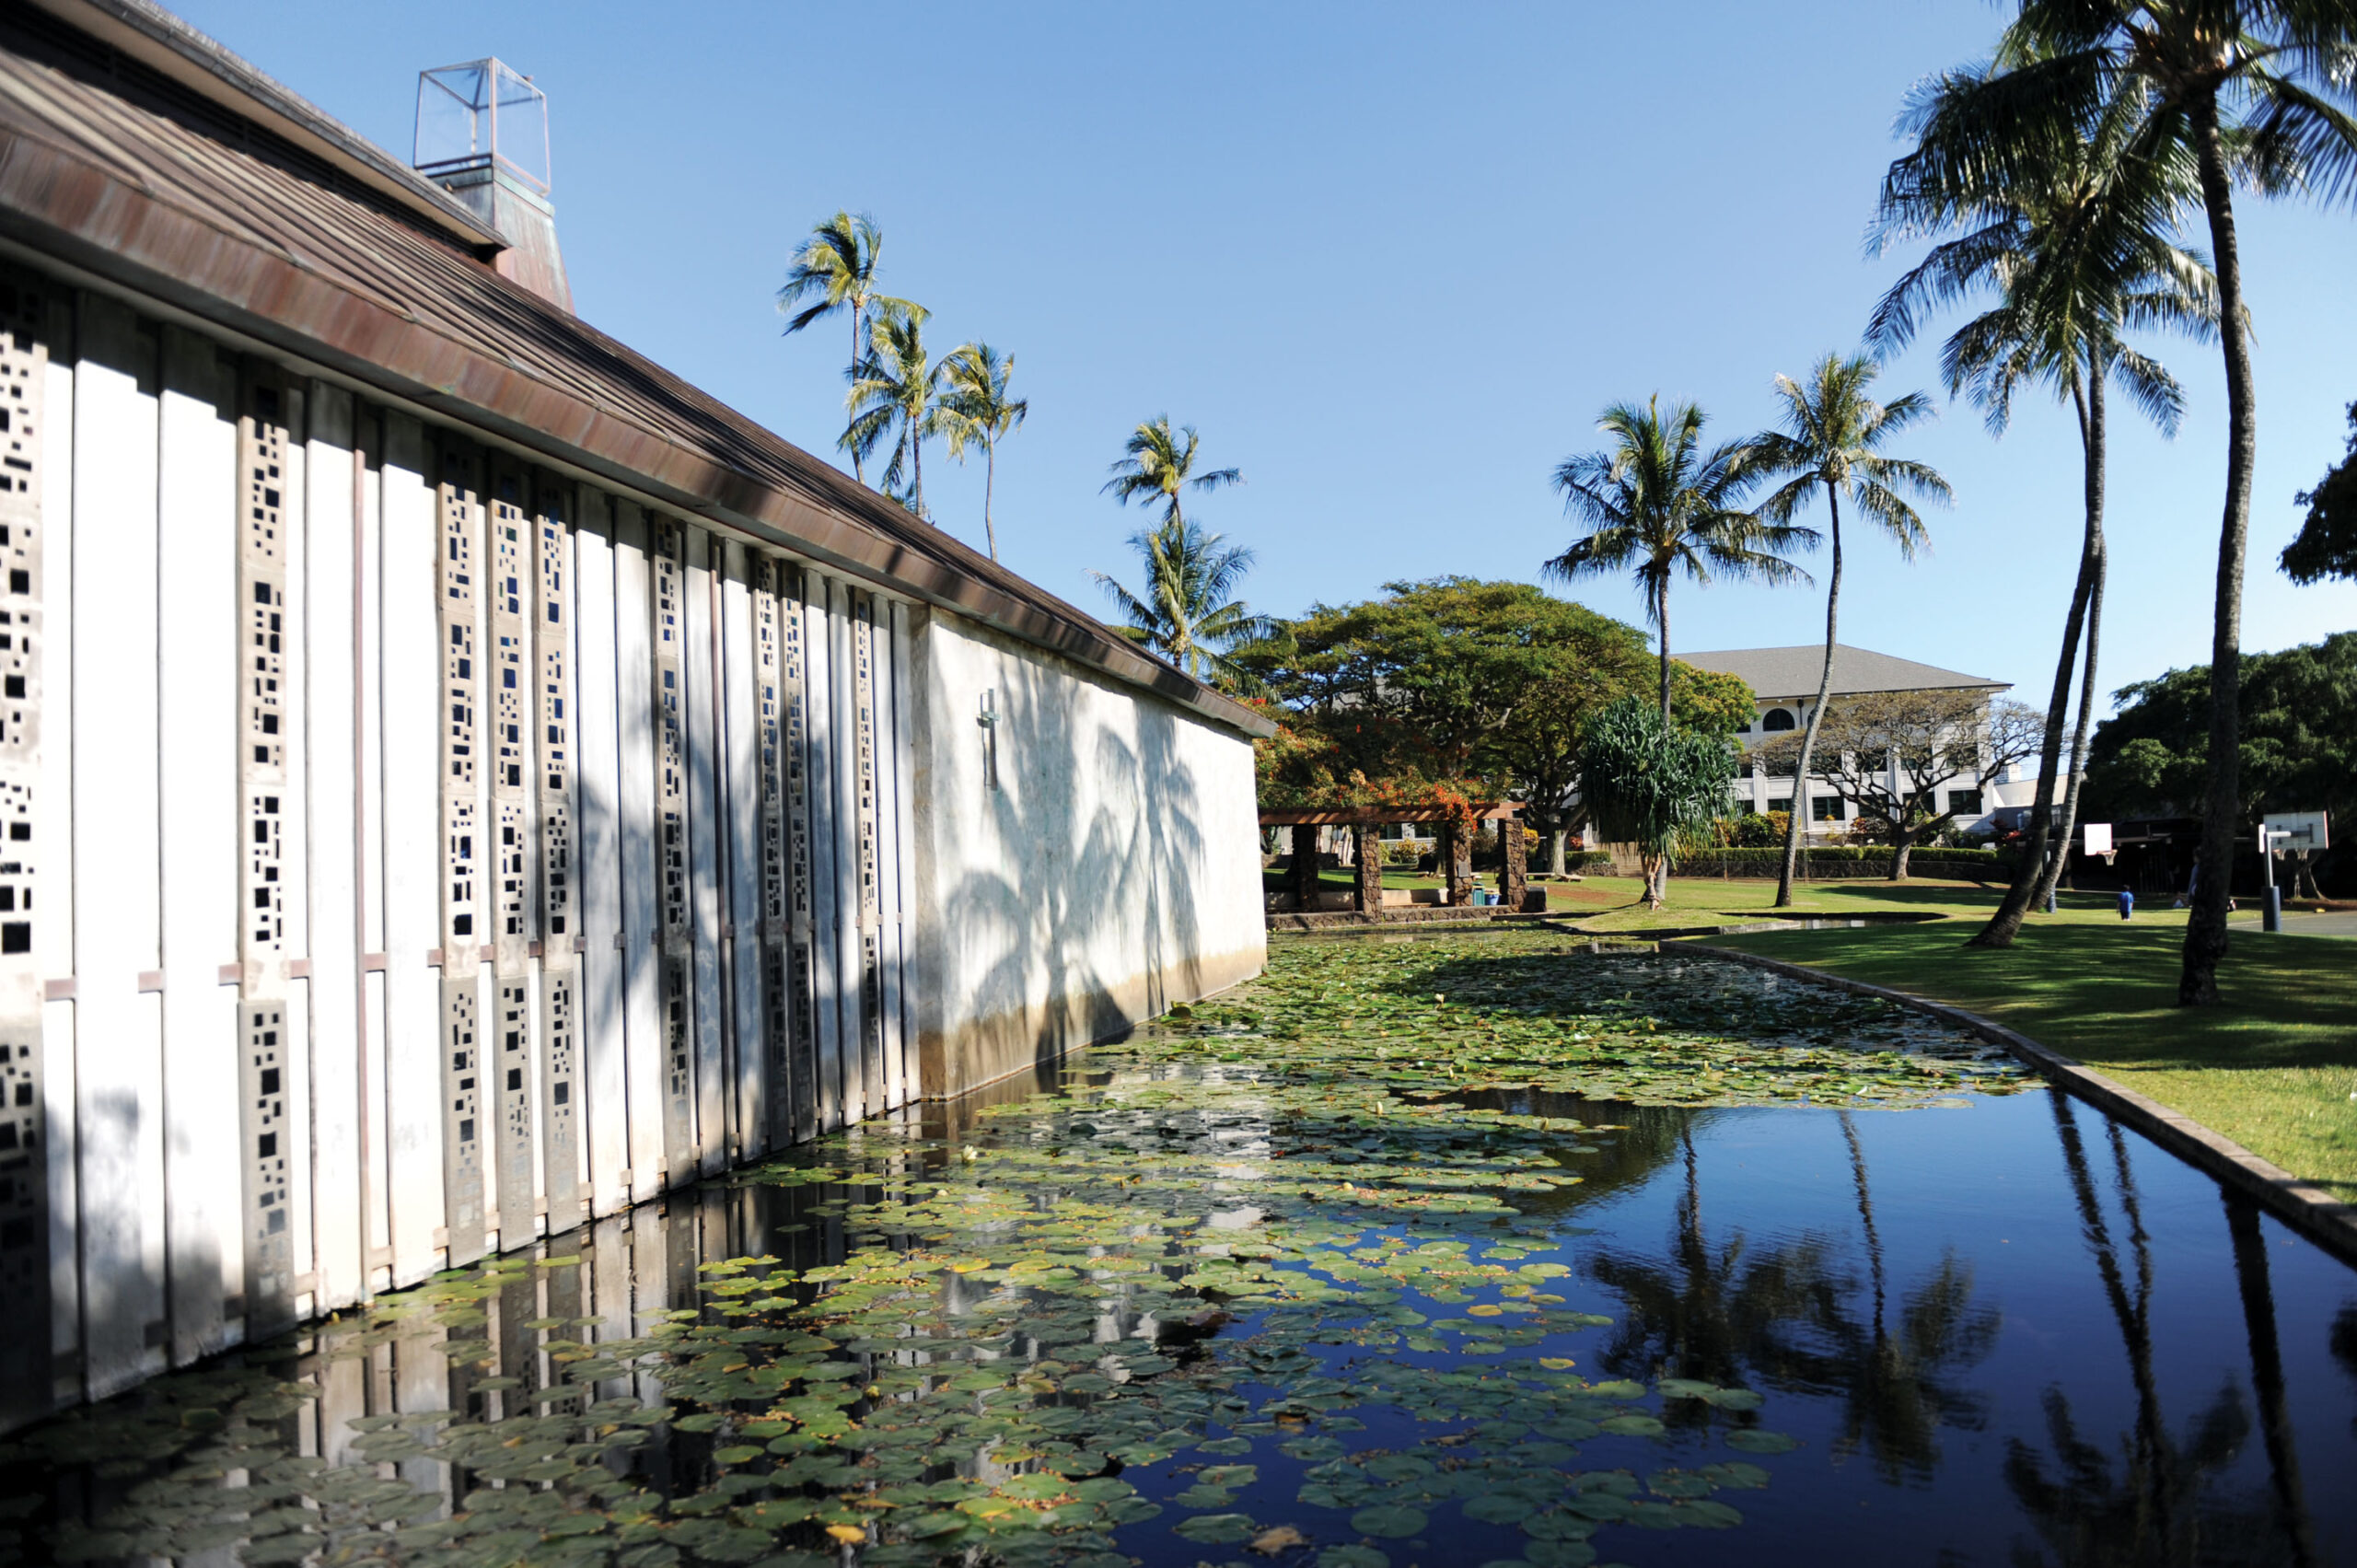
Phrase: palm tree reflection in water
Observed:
(1729, 1313)
(2165, 1505)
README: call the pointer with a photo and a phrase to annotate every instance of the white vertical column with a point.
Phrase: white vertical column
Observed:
(700, 665)
(903, 925)
(888, 850)
(741, 851)
(641, 922)
(116, 847)
(605, 1055)
(825, 986)
(843, 688)
(197, 625)
(408, 582)
(369, 853)
(53, 852)
(296, 864)
(334, 787)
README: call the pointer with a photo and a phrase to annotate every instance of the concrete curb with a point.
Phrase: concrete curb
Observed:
(2306, 1208)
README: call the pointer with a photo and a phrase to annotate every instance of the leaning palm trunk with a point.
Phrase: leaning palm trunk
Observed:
(1794, 829)
(2032, 881)
(2205, 932)
(990, 483)
(2062, 858)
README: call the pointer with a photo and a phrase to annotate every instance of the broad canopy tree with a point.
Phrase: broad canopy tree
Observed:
(1478, 687)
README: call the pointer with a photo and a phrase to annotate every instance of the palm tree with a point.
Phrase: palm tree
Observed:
(1159, 461)
(2076, 256)
(892, 398)
(1832, 441)
(837, 265)
(2259, 90)
(976, 408)
(1656, 503)
(1188, 612)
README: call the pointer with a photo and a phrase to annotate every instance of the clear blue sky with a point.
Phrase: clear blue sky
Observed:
(1391, 259)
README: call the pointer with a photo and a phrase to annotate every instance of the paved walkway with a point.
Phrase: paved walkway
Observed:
(2339, 923)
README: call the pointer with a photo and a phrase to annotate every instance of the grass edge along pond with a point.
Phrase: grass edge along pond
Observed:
(2274, 1068)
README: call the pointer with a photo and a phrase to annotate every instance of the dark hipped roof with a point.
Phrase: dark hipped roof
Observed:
(1791, 674)
(171, 169)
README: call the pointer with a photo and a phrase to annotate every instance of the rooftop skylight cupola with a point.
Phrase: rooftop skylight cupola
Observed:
(483, 135)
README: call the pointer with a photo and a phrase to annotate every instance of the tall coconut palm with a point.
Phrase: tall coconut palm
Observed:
(893, 398)
(2076, 256)
(1657, 504)
(1832, 442)
(2259, 90)
(1188, 612)
(975, 408)
(835, 269)
(1160, 461)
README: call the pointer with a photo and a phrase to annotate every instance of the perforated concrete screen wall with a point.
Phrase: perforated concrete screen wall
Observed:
(516, 853)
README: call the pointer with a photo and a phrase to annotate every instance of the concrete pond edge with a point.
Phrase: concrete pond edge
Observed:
(2305, 1207)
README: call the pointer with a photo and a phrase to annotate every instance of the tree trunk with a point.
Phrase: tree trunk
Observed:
(1555, 851)
(2099, 558)
(2205, 930)
(2025, 892)
(989, 483)
(858, 469)
(1655, 867)
(1900, 847)
(1661, 619)
(1816, 716)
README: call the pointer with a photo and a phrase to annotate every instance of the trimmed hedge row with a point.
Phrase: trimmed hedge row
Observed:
(1838, 861)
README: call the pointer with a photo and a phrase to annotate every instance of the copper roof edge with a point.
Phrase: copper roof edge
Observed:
(157, 38)
(59, 205)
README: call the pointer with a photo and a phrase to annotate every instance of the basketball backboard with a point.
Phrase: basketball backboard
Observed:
(2298, 829)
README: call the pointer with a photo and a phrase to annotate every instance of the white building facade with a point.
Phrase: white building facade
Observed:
(1784, 682)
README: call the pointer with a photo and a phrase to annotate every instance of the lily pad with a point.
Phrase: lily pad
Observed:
(1391, 1521)
(1217, 1529)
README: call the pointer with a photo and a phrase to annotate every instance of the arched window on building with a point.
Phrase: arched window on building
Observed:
(1776, 718)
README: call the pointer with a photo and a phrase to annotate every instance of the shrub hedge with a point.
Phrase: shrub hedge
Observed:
(1839, 861)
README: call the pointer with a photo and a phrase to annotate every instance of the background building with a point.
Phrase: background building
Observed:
(1784, 682)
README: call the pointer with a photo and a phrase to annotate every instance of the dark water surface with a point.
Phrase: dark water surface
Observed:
(1305, 1278)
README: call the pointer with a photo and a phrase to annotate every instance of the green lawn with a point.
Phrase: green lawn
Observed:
(2275, 1068)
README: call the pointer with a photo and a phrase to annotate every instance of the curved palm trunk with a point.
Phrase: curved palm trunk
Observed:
(2205, 932)
(989, 483)
(1794, 830)
(2030, 885)
(2099, 557)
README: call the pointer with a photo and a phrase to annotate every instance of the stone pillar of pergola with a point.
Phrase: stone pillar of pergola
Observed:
(1304, 868)
(1455, 848)
(1514, 885)
(1366, 847)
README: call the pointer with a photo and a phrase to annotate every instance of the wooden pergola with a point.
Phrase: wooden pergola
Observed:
(1366, 823)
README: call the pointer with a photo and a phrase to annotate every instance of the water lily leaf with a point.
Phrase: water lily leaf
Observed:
(1215, 1529)
(1498, 1508)
(736, 1456)
(1226, 1445)
(1353, 1557)
(1752, 1440)
(1561, 1554)
(1632, 1426)
(1388, 1520)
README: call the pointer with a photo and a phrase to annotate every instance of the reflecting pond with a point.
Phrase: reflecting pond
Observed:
(1477, 1249)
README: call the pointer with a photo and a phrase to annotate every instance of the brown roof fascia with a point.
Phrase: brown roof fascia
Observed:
(162, 41)
(1377, 816)
(55, 203)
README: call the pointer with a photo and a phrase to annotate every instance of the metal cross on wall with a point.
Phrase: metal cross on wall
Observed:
(988, 719)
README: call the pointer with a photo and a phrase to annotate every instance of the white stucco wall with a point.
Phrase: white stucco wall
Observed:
(1113, 872)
